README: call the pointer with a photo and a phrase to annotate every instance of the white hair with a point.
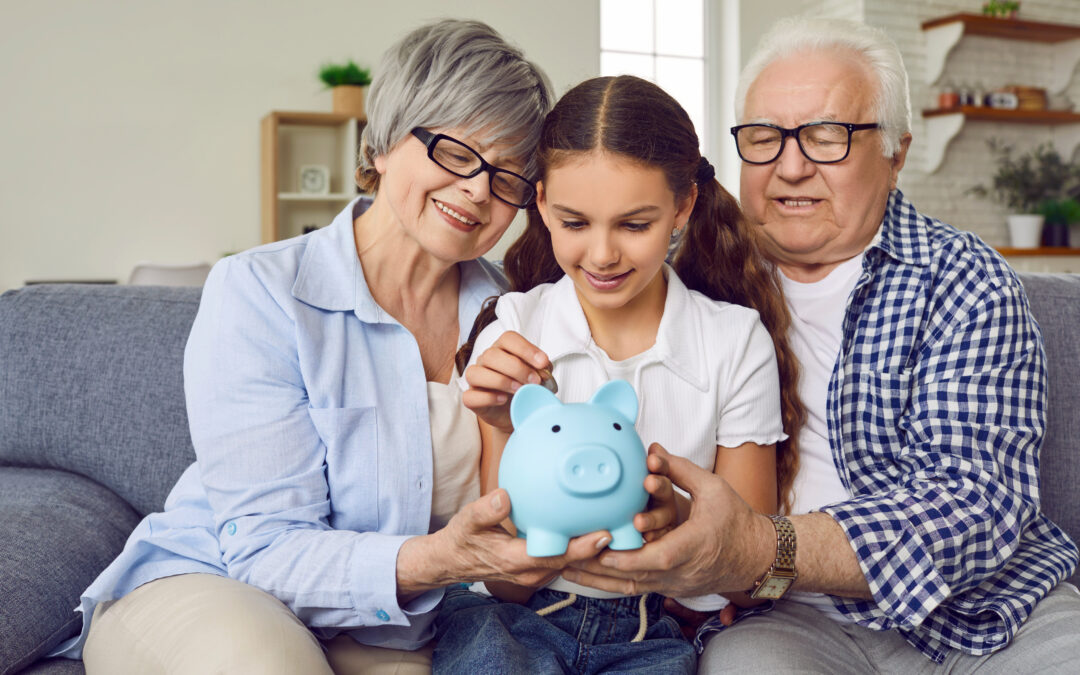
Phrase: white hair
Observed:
(459, 74)
(795, 35)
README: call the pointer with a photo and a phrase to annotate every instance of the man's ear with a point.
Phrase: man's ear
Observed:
(898, 160)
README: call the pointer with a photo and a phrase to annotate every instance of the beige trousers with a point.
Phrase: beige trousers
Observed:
(200, 624)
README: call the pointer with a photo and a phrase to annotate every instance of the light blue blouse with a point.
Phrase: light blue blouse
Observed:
(307, 404)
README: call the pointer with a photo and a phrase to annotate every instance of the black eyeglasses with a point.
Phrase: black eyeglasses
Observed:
(461, 160)
(820, 142)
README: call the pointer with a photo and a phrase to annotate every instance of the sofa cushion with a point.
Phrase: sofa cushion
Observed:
(57, 666)
(58, 530)
(91, 381)
(1055, 303)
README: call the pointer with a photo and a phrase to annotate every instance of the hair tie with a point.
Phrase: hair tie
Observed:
(705, 171)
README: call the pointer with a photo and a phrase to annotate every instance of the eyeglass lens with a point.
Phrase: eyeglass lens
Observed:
(460, 159)
(819, 142)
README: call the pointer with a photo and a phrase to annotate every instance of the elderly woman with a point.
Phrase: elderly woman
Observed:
(331, 454)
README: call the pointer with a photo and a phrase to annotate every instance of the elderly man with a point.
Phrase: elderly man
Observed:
(916, 530)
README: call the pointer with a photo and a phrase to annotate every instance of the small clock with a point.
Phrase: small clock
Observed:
(315, 180)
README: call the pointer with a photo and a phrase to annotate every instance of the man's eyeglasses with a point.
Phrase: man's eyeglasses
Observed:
(461, 160)
(820, 142)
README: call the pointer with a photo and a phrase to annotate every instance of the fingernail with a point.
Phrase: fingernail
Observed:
(514, 386)
(534, 378)
(602, 542)
(496, 502)
(538, 360)
(500, 398)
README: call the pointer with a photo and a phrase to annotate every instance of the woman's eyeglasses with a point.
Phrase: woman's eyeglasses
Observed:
(461, 160)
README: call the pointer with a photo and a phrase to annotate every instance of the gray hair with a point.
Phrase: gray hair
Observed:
(804, 34)
(456, 74)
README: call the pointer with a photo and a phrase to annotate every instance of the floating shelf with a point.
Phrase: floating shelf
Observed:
(943, 33)
(984, 114)
(308, 197)
(943, 125)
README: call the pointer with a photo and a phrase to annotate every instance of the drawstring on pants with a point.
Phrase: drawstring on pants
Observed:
(643, 615)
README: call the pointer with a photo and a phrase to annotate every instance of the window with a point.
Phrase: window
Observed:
(662, 41)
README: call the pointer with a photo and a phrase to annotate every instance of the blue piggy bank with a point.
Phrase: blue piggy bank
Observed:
(575, 468)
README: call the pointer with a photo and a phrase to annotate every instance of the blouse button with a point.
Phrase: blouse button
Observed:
(381, 615)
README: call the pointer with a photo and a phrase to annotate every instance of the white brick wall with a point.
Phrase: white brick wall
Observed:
(990, 61)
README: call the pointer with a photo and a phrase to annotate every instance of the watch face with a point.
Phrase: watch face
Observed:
(772, 588)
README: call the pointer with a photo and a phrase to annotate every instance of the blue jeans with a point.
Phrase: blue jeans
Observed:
(479, 634)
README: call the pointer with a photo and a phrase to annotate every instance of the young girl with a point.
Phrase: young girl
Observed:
(622, 184)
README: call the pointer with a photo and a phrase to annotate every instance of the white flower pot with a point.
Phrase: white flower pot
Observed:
(1025, 229)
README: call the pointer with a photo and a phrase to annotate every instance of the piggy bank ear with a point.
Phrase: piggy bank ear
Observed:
(528, 400)
(618, 395)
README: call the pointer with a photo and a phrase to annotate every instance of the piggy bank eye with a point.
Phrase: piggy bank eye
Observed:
(556, 428)
(617, 426)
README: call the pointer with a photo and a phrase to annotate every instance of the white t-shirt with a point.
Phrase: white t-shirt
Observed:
(710, 379)
(817, 316)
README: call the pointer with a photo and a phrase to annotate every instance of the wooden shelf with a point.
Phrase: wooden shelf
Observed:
(944, 33)
(316, 119)
(291, 140)
(308, 197)
(942, 125)
(1040, 251)
(985, 114)
(1010, 29)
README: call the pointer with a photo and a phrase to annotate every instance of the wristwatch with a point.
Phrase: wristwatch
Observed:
(781, 574)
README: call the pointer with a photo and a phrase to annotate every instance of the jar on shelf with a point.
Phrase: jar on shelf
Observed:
(948, 98)
(978, 95)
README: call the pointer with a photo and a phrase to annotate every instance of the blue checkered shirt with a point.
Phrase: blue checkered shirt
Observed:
(936, 411)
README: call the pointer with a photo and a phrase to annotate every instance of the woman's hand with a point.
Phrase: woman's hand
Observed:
(501, 370)
(474, 547)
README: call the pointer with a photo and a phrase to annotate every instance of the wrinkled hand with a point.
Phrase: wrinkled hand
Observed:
(717, 549)
(474, 547)
(501, 370)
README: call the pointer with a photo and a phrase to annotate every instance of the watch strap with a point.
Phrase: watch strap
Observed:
(782, 569)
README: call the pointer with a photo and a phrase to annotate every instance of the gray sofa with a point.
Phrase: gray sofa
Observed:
(93, 433)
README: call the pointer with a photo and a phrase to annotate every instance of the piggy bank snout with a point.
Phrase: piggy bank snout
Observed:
(590, 470)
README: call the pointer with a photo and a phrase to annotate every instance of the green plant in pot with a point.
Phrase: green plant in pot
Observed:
(1024, 183)
(347, 82)
(1058, 215)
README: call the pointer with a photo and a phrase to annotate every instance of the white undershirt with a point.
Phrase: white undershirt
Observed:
(817, 316)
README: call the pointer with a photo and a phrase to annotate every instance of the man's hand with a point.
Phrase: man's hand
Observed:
(723, 546)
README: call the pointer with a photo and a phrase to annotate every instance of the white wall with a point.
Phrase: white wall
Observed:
(129, 130)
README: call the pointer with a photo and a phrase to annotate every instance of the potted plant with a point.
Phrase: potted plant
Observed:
(1058, 215)
(1001, 9)
(1025, 184)
(347, 82)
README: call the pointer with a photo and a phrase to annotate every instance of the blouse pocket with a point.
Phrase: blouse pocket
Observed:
(352, 468)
